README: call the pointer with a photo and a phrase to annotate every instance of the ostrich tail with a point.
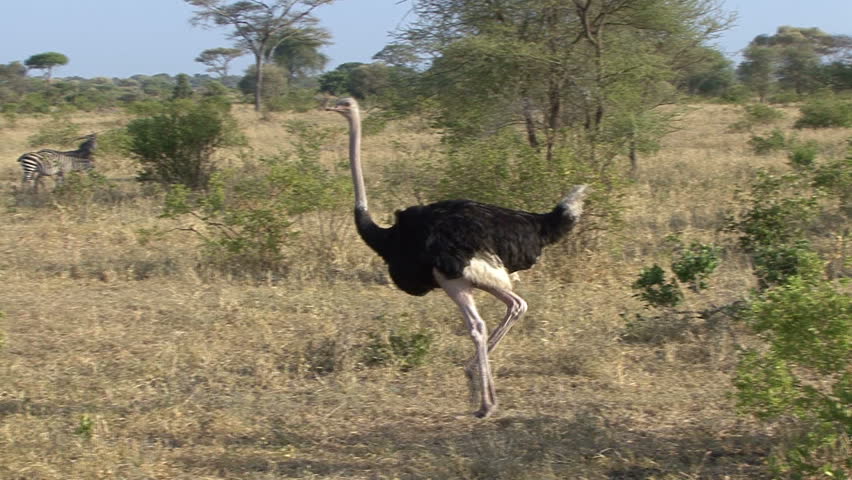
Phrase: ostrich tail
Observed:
(564, 216)
(573, 202)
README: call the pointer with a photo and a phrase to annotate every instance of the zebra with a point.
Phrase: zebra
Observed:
(49, 162)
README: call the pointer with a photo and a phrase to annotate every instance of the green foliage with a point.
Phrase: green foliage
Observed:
(691, 265)
(299, 100)
(81, 190)
(774, 264)
(803, 155)
(504, 170)
(764, 145)
(695, 264)
(757, 114)
(86, 427)
(825, 112)
(779, 207)
(794, 59)
(182, 89)
(176, 143)
(806, 373)
(655, 290)
(245, 217)
(402, 349)
(46, 60)
(274, 85)
(834, 177)
(59, 131)
(336, 82)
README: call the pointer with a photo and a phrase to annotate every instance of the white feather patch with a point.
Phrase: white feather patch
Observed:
(487, 270)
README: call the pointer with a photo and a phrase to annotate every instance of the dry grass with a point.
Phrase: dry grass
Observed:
(124, 361)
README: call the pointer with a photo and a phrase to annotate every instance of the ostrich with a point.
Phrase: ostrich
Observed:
(460, 246)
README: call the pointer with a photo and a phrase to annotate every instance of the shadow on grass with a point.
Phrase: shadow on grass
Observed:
(589, 445)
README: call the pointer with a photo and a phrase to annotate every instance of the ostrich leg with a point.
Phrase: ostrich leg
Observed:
(516, 307)
(461, 291)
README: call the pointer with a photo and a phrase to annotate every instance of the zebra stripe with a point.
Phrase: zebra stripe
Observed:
(46, 163)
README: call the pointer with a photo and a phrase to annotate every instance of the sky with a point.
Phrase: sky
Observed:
(122, 38)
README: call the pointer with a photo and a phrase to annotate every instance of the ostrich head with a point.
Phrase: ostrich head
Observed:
(345, 106)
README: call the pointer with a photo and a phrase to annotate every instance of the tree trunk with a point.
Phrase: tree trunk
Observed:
(634, 157)
(258, 81)
(529, 123)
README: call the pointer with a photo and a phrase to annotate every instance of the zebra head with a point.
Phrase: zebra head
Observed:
(87, 148)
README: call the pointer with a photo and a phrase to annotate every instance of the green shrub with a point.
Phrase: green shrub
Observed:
(775, 141)
(655, 290)
(779, 208)
(803, 155)
(176, 143)
(825, 112)
(692, 265)
(244, 218)
(775, 264)
(81, 190)
(805, 374)
(695, 264)
(59, 131)
(504, 170)
(835, 178)
(757, 114)
(403, 349)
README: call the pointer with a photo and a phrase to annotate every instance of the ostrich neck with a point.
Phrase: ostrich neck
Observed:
(355, 160)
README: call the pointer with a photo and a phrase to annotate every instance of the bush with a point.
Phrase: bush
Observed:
(59, 131)
(825, 112)
(695, 264)
(176, 143)
(504, 170)
(80, 190)
(655, 290)
(775, 264)
(757, 114)
(803, 155)
(780, 207)
(692, 265)
(765, 145)
(244, 218)
(806, 373)
(403, 349)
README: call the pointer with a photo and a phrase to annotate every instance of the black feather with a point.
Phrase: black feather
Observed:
(445, 236)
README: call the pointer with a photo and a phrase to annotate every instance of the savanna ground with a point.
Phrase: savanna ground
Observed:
(130, 360)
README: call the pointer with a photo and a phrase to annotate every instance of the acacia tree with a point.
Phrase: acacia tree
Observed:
(258, 26)
(598, 67)
(793, 58)
(218, 59)
(299, 52)
(46, 61)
